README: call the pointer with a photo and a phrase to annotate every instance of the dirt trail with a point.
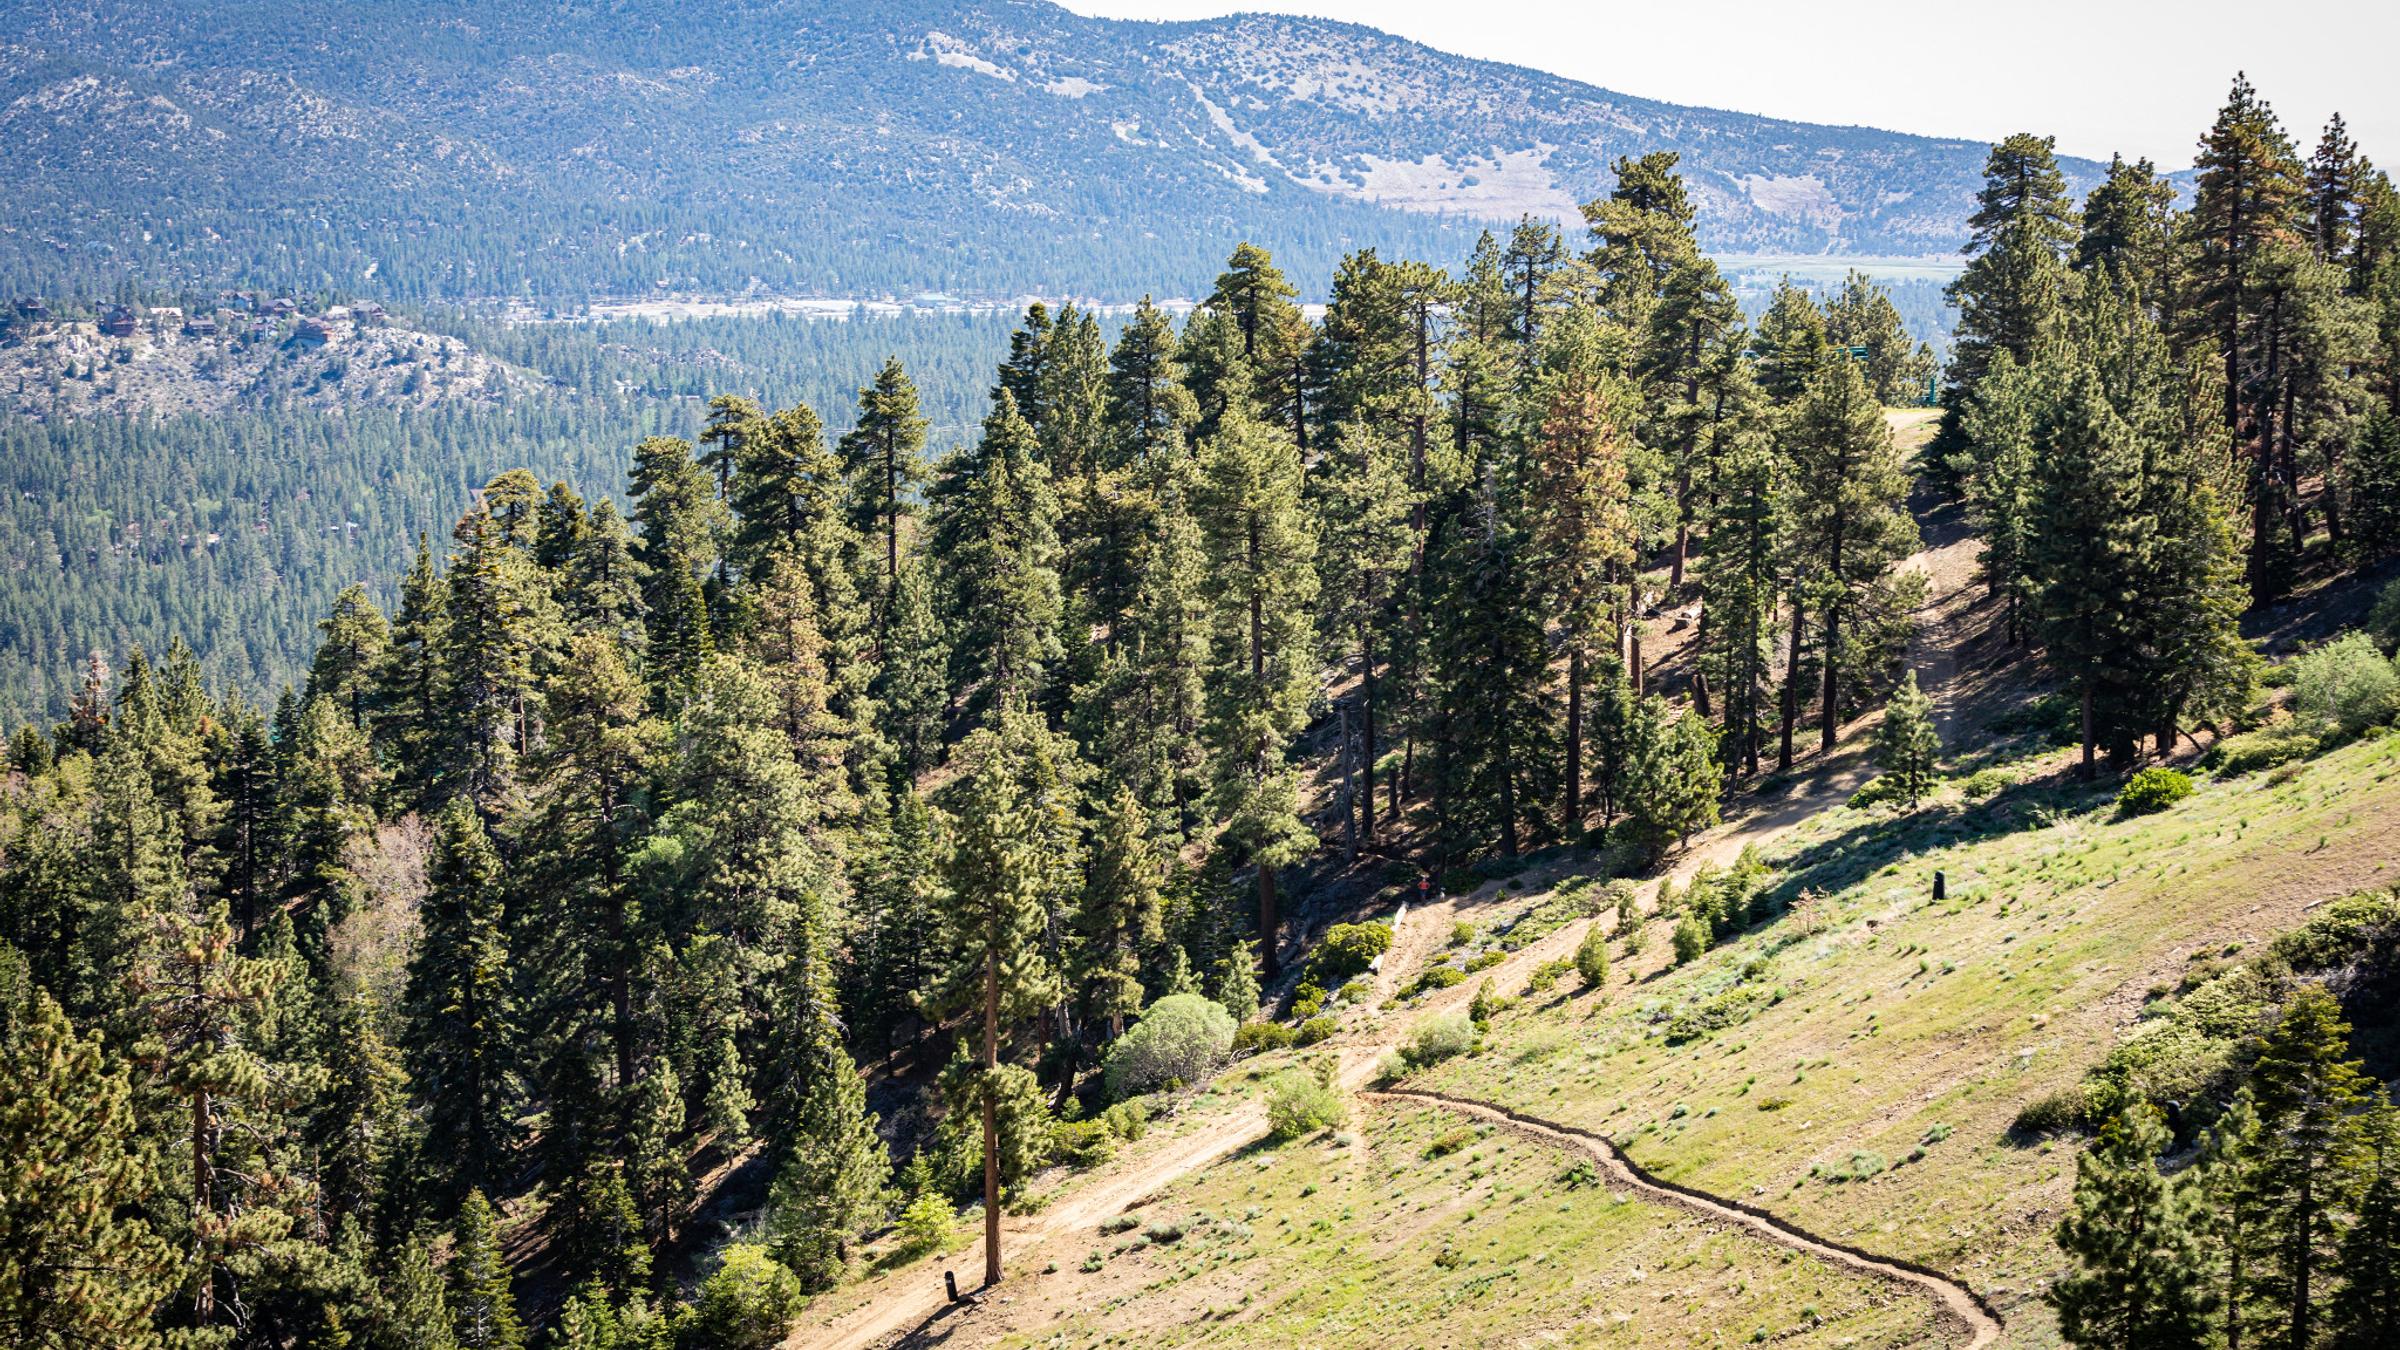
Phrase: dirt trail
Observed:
(1961, 1308)
(910, 1302)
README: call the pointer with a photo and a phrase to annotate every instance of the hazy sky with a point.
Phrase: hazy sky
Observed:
(2141, 76)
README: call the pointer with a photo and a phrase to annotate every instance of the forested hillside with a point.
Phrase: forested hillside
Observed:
(528, 148)
(224, 489)
(659, 918)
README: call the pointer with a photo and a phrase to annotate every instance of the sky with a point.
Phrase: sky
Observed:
(2144, 78)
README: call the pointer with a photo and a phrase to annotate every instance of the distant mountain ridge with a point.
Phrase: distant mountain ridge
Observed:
(563, 151)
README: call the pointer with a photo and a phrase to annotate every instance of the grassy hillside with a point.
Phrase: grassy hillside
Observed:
(1854, 1066)
(1871, 1048)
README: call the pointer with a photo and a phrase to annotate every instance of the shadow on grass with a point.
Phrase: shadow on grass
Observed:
(1833, 865)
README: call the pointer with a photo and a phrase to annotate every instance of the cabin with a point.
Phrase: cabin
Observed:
(312, 333)
(279, 307)
(120, 322)
(200, 326)
(33, 309)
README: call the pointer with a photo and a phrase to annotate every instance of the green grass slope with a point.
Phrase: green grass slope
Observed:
(1856, 1064)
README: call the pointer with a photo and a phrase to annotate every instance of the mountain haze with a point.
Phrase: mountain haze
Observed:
(561, 151)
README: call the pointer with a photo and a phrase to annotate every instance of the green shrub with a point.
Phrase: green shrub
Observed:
(2054, 1114)
(1346, 950)
(1315, 1029)
(1985, 783)
(1297, 1105)
(1461, 933)
(1082, 1143)
(929, 1224)
(1129, 1120)
(2153, 790)
(2270, 747)
(1591, 957)
(1546, 974)
(1181, 1038)
(2345, 686)
(1438, 1039)
(1691, 939)
(2383, 622)
(1451, 1141)
(1434, 977)
(1882, 788)
(1260, 1037)
(746, 1304)
(1308, 999)
(1485, 960)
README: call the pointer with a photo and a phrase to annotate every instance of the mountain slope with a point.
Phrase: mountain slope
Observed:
(571, 149)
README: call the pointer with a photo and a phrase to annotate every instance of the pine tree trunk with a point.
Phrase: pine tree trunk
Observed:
(2304, 1220)
(1366, 759)
(991, 1120)
(1572, 821)
(1791, 683)
(2089, 769)
(1829, 718)
(1268, 922)
(204, 1293)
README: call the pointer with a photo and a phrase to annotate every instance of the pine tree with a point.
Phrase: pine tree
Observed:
(599, 1229)
(350, 650)
(2137, 1280)
(653, 1150)
(1849, 489)
(1907, 744)
(76, 1267)
(1673, 780)
(2015, 278)
(1149, 409)
(605, 581)
(1495, 731)
(2088, 545)
(2307, 1093)
(2365, 1307)
(1862, 317)
(999, 537)
(912, 680)
(1791, 344)
(2129, 226)
(500, 631)
(680, 525)
(831, 1183)
(2249, 196)
(2231, 1211)
(1363, 542)
(325, 802)
(991, 908)
(411, 681)
(1262, 582)
(1741, 573)
(416, 1314)
(196, 1006)
(1118, 918)
(1578, 498)
(897, 936)
(483, 1309)
(460, 1045)
(590, 809)
(357, 1125)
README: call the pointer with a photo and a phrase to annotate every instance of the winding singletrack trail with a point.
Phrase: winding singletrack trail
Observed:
(908, 1306)
(1960, 1308)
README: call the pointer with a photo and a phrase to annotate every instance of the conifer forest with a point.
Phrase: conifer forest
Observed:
(1053, 822)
